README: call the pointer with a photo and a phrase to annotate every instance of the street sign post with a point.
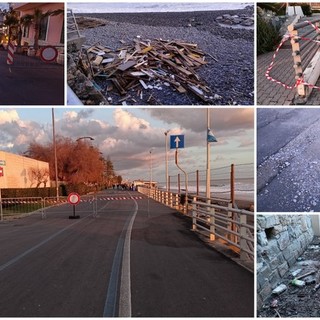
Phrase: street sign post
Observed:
(74, 199)
(177, 141)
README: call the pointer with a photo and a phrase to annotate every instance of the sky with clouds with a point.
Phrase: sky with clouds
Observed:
(128, 135)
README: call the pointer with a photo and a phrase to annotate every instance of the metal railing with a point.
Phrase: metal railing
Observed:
(214, 218)
(19, 207)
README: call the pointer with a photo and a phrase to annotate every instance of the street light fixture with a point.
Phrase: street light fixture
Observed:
(81, 138)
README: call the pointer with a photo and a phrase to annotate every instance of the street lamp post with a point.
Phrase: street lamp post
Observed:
(150, 152)
(55, 154)
(166, 160)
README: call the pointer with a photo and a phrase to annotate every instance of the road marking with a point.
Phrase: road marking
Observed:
(20, 256)
(121, 257)
(125, 284)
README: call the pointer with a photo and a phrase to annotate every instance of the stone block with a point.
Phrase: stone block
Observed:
(283, 268)
(266, 291)
(272, 249)
(261, 223)
(287, 253)
(262, 239)
(274, 278)
(291, 261)
(284, 240)
(271, 221)
(265, 272)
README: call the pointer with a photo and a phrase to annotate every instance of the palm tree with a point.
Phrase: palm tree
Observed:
(36, 18)
(11, 21)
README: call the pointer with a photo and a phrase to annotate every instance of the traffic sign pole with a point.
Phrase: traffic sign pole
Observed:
(74, 199)
(185, 178)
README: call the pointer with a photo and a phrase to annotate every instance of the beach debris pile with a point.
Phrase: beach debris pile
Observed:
(299, 292)
(241, 20)
(89, 22)
(147, 65)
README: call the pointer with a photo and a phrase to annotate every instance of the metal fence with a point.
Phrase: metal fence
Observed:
(214, 218)
(225, 181)
(18, 207)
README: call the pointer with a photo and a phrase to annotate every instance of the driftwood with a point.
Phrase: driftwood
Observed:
(147, 63)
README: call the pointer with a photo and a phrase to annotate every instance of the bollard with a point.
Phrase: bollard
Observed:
(10, 53)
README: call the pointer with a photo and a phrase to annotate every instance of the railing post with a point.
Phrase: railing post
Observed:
(194, 214)
(232, 185)
(43, 212)
(230, 224)
(197, 181)
(1, 212)
(170, 199)
(243, 232)
(212, 226)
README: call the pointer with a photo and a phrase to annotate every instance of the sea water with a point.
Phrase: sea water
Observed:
(118, 7)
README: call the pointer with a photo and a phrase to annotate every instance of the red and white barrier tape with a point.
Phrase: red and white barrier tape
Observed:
(300, 80)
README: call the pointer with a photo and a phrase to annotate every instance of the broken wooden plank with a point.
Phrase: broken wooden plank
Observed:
(143, 84)
(126, 65)
(122, 54)
(97, 61)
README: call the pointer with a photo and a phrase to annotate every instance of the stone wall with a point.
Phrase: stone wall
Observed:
(281, 239)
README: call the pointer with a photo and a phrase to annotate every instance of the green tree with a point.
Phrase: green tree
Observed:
(12, 22)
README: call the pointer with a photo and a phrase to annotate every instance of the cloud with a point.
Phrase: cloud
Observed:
(126, 136)
(223, 120)
(8, 116)
(126, 121)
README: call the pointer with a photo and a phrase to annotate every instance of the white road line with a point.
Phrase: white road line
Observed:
(125, 284)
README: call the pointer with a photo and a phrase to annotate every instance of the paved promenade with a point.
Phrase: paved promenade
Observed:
(270, 93)
(135, 258)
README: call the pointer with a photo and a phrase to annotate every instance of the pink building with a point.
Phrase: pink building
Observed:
(51, 27)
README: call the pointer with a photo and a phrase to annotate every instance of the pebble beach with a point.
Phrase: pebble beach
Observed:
(229, 51)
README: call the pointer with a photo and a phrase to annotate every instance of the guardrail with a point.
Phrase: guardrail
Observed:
(19, 207)
(214, 218)
(306, 55)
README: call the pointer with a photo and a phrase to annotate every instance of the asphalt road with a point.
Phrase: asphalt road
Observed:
(288, 172)
(29, 81)
(135, 258)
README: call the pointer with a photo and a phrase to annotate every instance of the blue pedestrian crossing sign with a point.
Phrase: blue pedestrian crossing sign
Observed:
(177, 141)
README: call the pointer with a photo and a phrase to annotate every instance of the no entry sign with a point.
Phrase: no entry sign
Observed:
(73, 198)
(48, 54)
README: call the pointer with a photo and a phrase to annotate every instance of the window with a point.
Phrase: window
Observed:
(43, 28)
(62, 34)
(26, 31)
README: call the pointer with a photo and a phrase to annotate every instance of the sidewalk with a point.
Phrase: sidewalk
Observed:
(270, 93)
(29, 81)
